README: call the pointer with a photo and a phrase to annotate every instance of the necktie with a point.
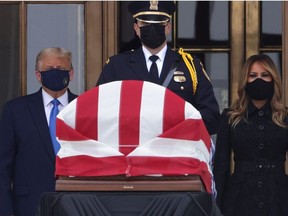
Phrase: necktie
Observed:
(52, 125)
(153, 69)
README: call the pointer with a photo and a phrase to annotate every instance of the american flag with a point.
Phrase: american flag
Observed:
(135, 128)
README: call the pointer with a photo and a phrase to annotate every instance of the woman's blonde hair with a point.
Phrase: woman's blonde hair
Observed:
(239, 107)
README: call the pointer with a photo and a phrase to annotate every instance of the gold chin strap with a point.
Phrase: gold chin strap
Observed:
(188, 59)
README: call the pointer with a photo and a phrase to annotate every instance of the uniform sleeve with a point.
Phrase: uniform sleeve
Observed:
(205, 100)
(221, 166)
(7, 151)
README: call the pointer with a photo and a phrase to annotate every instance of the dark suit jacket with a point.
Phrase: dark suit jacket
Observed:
(27, 158)
(132, 66)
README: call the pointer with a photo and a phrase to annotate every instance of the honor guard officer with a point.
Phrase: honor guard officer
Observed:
(154, 61)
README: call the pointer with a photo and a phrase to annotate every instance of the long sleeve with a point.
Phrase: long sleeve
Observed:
(205, 100)
(221, 169)
(7, 151)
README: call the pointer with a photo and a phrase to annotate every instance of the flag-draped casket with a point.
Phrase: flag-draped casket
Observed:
(135, 128)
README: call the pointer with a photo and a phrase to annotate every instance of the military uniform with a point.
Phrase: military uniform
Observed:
(132, 66)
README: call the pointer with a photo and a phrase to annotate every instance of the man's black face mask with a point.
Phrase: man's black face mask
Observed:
(153, 35)
(55, 79)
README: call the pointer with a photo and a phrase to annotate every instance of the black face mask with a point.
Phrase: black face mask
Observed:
(153, 35)
(55, 79)
(260, 89)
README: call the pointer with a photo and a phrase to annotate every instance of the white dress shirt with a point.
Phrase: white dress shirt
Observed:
(48, 106)
(160, 60)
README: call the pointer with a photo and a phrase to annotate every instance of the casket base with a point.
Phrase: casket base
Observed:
(121, 183)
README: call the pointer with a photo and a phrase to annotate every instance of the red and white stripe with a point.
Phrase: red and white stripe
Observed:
(133, 128)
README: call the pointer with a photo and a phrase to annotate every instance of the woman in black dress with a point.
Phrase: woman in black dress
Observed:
(255, 130)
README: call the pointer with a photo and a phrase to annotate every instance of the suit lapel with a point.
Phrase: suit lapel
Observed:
(37, 111)
(138, 65)
(39, 117)
(71, 96)
(170, 58)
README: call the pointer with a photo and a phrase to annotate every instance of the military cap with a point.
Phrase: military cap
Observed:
(152, 11)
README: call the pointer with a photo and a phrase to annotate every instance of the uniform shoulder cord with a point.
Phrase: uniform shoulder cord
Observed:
(188, 60)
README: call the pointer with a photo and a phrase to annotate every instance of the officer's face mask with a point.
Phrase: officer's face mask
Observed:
(153, 35)
(260, 89)
(55, 79)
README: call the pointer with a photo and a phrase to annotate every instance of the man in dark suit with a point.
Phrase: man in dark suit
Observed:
(179, 72)
(27, 156)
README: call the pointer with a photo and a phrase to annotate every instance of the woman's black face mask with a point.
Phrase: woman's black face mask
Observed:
(153, 35)
(260, 89)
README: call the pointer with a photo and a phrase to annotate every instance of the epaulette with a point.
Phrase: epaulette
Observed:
(122, 53)
(128, 51)
(204, 71)
(188, 60)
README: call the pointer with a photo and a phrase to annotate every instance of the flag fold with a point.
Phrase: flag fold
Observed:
(132, 128)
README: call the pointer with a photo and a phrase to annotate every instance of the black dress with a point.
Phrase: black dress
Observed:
(259, 185)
